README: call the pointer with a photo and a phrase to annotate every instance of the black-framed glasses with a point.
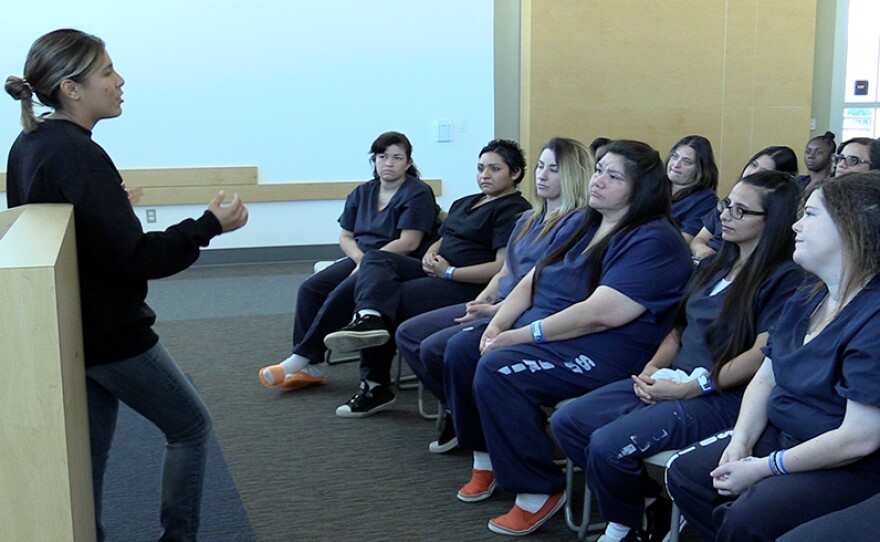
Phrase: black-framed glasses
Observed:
(851, 161)
(735, 211)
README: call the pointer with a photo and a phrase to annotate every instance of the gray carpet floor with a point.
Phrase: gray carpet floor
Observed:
(302, 472)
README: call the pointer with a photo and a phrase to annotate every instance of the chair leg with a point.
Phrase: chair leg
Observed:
(407, 382)
(582, 528)
(675, 525)
(422, 411)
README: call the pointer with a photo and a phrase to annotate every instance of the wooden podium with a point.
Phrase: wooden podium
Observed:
(45, 464)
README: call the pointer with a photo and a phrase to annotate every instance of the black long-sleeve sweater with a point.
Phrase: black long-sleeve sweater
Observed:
(59, 163)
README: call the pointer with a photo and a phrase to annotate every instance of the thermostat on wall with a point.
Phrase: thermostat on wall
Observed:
(442, 131)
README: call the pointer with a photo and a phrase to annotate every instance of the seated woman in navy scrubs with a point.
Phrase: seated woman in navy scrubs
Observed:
(693, 175)
(693, 386)
(561, 177)
(778, 158)
(391, 287)
(393, 212)
(807, 437)
(591, 313)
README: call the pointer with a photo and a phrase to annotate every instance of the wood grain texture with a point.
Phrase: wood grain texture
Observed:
(45, 474)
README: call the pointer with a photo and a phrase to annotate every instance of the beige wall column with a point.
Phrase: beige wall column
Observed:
(45, 465)
(739, 72)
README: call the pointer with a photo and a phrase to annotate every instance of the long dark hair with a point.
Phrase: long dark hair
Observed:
(707, 170)
(784, 159)
(381, 145)
(733, 331)
(649, 201)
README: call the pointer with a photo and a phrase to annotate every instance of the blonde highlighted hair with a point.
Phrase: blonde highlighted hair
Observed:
(576, 164)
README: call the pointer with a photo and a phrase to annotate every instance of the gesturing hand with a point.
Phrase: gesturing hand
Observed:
(232, 216)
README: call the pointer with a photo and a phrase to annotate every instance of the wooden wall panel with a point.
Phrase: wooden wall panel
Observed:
(736, 71)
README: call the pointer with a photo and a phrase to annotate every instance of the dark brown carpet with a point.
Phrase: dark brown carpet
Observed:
(302, 472)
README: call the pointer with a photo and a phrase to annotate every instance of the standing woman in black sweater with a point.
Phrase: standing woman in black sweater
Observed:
(54, 160)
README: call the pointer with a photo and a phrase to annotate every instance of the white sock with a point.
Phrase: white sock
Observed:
(368, 312)
(294, 363)
(314, 369)
(482, 461)
(531, 502)
(371, 384)
(614, 532)
(291, 365)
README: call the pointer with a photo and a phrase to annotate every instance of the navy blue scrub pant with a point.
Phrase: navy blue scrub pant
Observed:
(398, 288)
(770, 508)
(421, 342)
(496, 402)
(858, 523)
(608, 433)
(324, 303)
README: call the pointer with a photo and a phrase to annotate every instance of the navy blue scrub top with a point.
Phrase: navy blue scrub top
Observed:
(689, 211)
(649, 265)
(815, 380)
(703, 308)
(412, 207)
(712, 222)
(524, 253)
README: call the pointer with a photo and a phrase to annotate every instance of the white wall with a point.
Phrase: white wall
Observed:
(297, 88)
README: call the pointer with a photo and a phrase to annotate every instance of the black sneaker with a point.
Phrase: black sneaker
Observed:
(658, 517)
(447, 440)
(363, 332)
(367, 401)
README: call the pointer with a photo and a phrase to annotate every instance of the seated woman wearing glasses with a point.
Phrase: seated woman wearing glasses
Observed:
(807, 439)
(693, 385)
(857, 155)
(777, 158)
(693, 176)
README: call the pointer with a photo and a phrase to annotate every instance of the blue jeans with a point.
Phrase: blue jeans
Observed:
(154, 386)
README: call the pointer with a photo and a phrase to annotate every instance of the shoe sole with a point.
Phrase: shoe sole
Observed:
(436, 448)
(291, 384)
(479, 496)
(349, 414)
(501, 530)
(348, 341)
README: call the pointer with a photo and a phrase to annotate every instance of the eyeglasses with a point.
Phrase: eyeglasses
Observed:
(851, 161)
(735, 211)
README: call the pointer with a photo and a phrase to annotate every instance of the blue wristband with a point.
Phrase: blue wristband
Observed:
(780, 463)
(706, 385)
(448, 273)
(538, 331)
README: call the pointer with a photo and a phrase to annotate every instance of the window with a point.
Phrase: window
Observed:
(861, 110)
